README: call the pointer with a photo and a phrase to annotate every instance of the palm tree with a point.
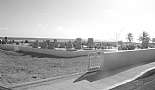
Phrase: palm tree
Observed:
(145, 39)
(130, 37)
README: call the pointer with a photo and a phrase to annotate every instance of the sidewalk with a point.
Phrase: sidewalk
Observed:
(103, 84)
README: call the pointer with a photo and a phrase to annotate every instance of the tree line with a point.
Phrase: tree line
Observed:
(79, 44)
(144, 39)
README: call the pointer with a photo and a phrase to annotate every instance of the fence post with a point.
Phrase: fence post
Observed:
(88, 61)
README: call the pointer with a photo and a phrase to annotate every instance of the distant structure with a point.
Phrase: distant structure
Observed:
(90, 42)
(55, 43)
(153, 40)
(4, 40)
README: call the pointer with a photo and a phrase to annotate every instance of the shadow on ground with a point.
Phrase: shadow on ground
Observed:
(41, 55)
(3, 88)
(34, 54)
(101, 74)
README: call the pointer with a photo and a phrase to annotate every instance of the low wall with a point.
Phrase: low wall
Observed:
(115, 60)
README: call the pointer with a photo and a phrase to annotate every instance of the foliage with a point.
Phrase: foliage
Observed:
(62, 45)
(51, 45)
(130, 37)
(69, 45)
(35, 44)
(26, 41)
(139, 46)
(127, 47)
(77, 43)
(144, 39)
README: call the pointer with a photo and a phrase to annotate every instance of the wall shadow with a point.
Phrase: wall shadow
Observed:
(101, 74)
(41, 55)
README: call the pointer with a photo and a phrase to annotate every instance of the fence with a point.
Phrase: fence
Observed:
(95, 61)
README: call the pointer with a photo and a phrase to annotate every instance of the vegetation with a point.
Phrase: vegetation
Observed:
(129, 46)
(77, 43)
(26, 41)
(81, 44)
(69, 45)
(130, 37)
(35, 44)
(145, 40)
(62, 45)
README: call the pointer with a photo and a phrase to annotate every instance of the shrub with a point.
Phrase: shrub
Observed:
(127, 47)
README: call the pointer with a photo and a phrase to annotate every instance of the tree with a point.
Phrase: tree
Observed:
(68, 45)
(5, 40)
(77, 43)
(35, 44)
(130, 37)
(144, 39)
(55, 43)
(26, 41)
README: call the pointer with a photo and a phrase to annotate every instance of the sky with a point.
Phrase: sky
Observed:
(107, 20)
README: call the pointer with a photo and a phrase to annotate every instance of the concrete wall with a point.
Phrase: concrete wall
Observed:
(115, 60)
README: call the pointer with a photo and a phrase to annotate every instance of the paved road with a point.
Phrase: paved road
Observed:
(102, 84)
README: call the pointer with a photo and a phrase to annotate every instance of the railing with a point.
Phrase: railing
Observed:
(95, 61)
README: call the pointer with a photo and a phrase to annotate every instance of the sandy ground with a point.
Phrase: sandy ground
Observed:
(18, 68)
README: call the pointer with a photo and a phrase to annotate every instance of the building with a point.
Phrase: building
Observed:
(90, 43)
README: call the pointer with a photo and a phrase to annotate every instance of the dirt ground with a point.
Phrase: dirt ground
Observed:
(18, 68)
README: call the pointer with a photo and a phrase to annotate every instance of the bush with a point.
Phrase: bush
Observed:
(61, 45)
(69, 44)
(127, 47)
(151, 46)
(51, 45)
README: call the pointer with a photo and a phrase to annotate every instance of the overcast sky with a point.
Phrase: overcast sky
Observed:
(100, 19)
